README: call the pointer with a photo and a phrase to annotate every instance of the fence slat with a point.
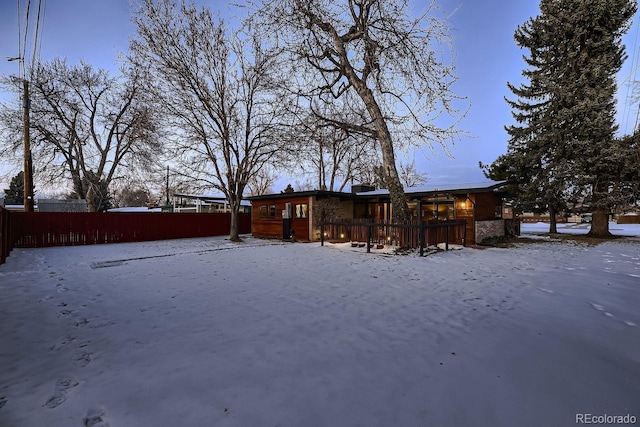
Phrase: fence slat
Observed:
(41, 229)
(5, 235)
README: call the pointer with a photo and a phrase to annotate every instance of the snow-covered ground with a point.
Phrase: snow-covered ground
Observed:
(204, 332)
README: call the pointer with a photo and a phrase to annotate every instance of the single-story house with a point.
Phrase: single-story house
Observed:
(480, 204)
(205, 204)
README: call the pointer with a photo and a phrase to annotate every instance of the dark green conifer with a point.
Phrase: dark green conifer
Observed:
(562, 147)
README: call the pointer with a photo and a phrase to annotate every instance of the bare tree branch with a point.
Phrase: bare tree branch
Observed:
(76, 113)
(375, 51)
(219, 93)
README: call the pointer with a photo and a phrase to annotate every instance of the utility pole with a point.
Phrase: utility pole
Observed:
(28, 166)
(167, 189)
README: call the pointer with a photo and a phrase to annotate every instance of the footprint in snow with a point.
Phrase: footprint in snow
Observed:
(601, 308)
(606, 313)
(596, 306)
(82, 359)
(82, 322)
(96, 418)
(62, 389)
(62, 342)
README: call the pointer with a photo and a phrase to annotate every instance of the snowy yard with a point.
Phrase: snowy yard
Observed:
(203, 332)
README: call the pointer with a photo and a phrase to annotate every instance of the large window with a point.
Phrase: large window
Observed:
(301, 210)
(267, 211)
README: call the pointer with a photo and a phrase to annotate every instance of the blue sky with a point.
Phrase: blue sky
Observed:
(486, 59)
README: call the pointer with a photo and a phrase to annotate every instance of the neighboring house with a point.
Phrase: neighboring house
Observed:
(143, 209)
(205, 204)
(480, 204)
(57, 205)
(52, 205)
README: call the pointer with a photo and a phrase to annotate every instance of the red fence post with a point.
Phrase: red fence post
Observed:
(5, 235)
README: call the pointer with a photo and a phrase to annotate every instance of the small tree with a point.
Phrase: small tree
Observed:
(410, 176)
(14, 195)
(262, 182)
(131, 195)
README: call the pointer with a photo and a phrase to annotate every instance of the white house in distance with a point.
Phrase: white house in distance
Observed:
(205, 204)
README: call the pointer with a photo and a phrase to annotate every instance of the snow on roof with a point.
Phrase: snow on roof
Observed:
(432, 188)
(210, 197)
(135, 209)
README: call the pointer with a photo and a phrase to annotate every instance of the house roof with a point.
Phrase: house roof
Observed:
(316, 193)
(209, 198)
(474, 187)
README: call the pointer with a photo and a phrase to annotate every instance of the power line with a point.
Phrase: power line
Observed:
(634, 69)
(35, 54)
(26, 33)
(20, 53)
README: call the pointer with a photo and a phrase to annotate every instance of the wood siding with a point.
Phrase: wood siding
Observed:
(272, 227)
(485, 205)
(434, 207)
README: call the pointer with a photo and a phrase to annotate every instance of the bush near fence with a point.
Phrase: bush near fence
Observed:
(42, 229)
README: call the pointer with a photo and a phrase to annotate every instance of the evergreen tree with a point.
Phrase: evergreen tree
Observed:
(15, 194)
(289, 189)
(626, 191)
(563, 144)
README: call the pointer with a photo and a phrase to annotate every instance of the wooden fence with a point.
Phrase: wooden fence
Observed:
(41, 229)
(409, 235)
(5, 236)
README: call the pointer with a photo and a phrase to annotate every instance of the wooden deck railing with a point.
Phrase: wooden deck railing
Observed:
(403, 235)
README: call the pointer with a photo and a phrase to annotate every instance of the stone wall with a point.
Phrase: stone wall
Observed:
(489, 228)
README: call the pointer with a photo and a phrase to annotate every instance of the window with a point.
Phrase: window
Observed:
(267, 211)
(301, 210)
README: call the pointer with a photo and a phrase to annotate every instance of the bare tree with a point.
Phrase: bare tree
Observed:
(85, 125)
(410, 176)
(331, 153)
(262, 182)
(130, 193)
(375, 50)
(218, 91)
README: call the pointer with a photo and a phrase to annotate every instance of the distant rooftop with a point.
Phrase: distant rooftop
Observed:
(209, 198)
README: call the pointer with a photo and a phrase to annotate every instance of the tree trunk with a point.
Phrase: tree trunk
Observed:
(91, 198)
(400, 208)
(234, 234)
(599, 224)
(599, 213)
(553, 226)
